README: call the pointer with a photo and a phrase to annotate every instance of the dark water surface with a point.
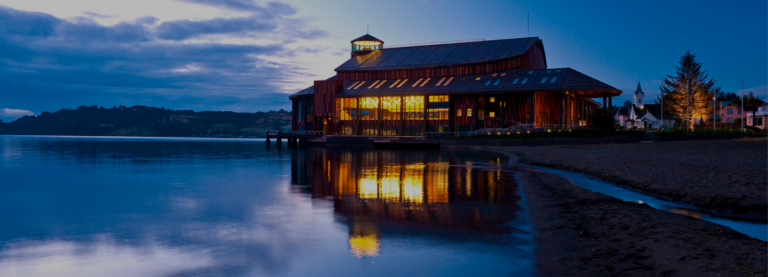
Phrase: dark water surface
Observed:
(75, 206)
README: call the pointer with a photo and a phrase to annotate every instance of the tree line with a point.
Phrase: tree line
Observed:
(147, 121)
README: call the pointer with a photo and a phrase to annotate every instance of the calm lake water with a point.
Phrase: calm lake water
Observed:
(76, 206)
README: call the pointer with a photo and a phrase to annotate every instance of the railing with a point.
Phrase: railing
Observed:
(306, 132)
(515, 129)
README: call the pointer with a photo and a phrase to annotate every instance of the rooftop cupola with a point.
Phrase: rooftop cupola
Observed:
(366, 44)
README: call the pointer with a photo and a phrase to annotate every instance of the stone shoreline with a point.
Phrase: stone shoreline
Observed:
(583, 233)
(729, 177)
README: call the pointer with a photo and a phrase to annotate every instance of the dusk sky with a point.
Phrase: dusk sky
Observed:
(247, 56)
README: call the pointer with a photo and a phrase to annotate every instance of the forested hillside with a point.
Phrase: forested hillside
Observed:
(147, 121)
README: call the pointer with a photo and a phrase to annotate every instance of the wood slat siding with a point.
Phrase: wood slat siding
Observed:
(441, 71)
(325, 97)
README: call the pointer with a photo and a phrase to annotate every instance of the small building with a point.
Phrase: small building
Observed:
(641, 115)
(758, 119)
(449, 87)
(728, 112)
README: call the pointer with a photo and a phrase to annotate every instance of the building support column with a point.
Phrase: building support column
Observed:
(425, 126)
(356, 130)
(378, 118)
(402, 116)
(474, 113)
(503, 110)
(604, 100)
(451, 113)
(610, 103)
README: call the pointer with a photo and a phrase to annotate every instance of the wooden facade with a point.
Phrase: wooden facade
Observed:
(380, 93)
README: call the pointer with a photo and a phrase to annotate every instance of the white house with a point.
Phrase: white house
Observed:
(641, 115)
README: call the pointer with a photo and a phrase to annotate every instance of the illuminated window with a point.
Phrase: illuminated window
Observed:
(440, 82)
(515, 81)
(544, 80)
(469, 112)
(497, 82)
(477, 79)
(553, 80)
(488, 83)
(438, 98)
(493, 99)
(417, 83)
(382, 82)
(494, 74)
(358, 86)
(524, 81)
(503, 74)
(458, 112)
(549, 71)
(403, 82)
(353, 85)
(394, 84)
(448, 82)
(374, 83)
(425, 82)
(492, 114)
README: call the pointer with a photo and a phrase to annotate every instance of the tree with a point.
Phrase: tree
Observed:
(751, 103)
(689, 94)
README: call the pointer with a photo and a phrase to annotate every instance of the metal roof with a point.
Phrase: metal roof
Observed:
(439, 55)
(367, 37)
(516, 80)
(307, 91)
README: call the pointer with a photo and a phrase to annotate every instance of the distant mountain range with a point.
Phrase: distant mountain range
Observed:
(147, 121)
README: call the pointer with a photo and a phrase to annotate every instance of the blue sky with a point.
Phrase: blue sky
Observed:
(247, 56)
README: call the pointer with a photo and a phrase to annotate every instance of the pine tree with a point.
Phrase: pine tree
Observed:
(689, 95)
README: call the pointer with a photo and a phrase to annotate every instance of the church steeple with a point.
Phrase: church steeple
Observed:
(639, 94)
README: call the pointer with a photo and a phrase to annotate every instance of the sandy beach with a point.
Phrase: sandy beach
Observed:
(583, 233)
(728, 177)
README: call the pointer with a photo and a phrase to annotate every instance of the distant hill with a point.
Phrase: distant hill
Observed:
(147, 121)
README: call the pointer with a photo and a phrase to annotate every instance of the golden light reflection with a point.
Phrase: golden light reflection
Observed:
(414, 102)
(368, 188)
(437, 182)
(413, 183)
(364, 246)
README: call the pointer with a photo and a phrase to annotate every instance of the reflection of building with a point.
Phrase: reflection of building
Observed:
(377, 191)
(447, 87)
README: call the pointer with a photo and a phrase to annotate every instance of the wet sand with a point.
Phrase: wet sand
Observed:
(729, 177)
(583, 233)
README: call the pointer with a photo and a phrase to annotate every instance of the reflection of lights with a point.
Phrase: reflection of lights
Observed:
(413, 183)
(364, 246)
(639, 201)
(368, 188)
(437, 182)
(390, 188)
(369, 103)
(687, 212)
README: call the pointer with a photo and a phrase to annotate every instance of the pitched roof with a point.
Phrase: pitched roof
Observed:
(425, 56)
(639, 90)
(508, 81)
(623, 111)
(367, 37)
(307, 91)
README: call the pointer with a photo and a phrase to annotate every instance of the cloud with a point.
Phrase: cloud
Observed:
(96, 15)
(15, 112)
(47, 63)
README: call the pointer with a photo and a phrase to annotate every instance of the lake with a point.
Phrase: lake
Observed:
(90, 206)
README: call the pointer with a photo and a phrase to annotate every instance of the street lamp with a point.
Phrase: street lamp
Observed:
(714, 113)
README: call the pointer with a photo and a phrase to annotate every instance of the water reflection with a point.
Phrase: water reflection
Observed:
(383, 193)
(191, 207)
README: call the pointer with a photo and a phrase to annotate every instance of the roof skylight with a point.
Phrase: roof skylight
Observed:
(402, 83)
(515, 81)
(497, 82)
(524, 81)
(488, 83)
(448, 82)
(353, 85)
(530, 72)
(358, 86)
(417, 83)
(394, 84)
(374, 83)
(549, 71)
(382, 82)
(425, 82)
(553, 80)
(440, 82)
(544, 80)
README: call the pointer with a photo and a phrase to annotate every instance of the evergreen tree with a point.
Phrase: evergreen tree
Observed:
(689, 95)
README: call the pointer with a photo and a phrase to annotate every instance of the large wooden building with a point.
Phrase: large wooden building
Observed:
(449, 87)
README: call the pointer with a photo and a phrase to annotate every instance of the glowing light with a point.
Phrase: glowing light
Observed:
(374, 83)
(369, 103)
(358, 86)
(391, 104)
(364, 246)
(448, 82)
(401, 84)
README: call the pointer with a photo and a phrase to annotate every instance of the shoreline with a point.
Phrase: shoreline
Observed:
(673, 171)
(584, 233)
